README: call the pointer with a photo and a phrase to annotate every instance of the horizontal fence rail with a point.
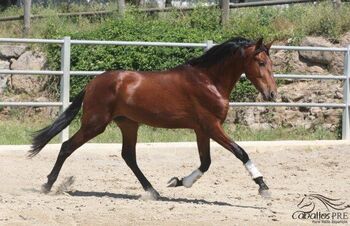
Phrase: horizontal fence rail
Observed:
(65, 74)
(93, 73)
(284, 104)
(150, 10)
(31, 104)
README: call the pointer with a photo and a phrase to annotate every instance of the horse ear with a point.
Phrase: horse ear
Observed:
(259, 43)
(268, 46)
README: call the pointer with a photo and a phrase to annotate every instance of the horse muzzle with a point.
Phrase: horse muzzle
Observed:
(269, 96)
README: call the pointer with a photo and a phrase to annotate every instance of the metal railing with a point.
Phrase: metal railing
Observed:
(65, 74)
(150, 10)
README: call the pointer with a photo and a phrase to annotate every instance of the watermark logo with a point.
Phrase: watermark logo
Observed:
(321, 209)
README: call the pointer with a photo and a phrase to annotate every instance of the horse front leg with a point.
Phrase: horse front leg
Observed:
(217, 133)
(203, 143)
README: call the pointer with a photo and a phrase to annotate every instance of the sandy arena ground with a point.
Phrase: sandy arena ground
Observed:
(105, 191)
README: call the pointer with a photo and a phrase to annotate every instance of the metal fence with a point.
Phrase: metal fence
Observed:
(157, 9)
(65, 74)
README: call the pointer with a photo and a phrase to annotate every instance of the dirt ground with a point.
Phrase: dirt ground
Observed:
(105, 192)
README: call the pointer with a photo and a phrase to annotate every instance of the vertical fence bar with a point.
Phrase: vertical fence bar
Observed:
(210, 44)
(121, 8)
(225, 12)
(65, 82)
(346, 112)
(26, 17)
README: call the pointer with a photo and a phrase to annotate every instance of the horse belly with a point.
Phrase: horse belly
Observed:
(159, 110)
(159, 117)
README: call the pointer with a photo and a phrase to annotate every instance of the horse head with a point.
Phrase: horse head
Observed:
(307, 201)
(258, 69)
(328, 203)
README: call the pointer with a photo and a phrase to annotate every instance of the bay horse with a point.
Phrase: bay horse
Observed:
(194, 95)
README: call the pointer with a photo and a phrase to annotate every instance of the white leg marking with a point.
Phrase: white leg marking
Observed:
(150, 194)
(190, 179)
(253, 171)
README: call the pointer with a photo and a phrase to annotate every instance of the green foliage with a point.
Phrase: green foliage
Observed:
(293, 23)
(174, 27)
(253, 23)
(323, 20)
(243, 92)
(135, 27)
(197, 26)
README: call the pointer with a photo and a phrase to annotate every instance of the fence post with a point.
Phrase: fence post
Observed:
(121, 8)
(346, 112)
(65, 82)
(210, 44)
(225, 12)
(336, 4)
(26, 17)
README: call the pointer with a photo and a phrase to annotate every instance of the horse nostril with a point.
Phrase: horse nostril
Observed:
(272, 94)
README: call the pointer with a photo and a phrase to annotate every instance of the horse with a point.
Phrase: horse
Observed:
(193, 95)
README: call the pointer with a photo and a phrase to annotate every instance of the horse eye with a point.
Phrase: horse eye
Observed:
(262, 64)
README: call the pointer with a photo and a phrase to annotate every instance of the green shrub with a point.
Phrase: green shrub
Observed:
(200, 25)
(135, 28)
(243, 92)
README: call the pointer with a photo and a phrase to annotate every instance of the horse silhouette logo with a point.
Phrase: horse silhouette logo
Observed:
(308, 203)
(321, 208)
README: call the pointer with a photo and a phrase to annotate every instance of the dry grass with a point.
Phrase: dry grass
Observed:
(18, 132)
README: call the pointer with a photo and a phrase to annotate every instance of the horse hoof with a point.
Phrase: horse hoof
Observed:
(45, 188)
(173, 182)
(154, 194)
(265, 193)
(151, 194)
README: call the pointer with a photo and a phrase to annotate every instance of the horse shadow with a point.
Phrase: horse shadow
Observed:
(78, 193)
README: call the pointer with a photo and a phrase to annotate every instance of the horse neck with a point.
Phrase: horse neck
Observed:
(226, 74)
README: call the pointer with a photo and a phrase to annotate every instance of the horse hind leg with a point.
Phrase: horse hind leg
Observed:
(88, 130)
(203, 143)
(129, 130)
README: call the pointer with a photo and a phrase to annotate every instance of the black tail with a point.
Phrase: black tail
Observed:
(43, 136)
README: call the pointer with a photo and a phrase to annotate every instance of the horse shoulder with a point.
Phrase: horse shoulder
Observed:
(207, 97)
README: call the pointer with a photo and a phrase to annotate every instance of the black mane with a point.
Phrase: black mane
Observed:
(219, 52)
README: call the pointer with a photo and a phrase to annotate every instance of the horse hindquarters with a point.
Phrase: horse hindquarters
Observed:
(95, 118)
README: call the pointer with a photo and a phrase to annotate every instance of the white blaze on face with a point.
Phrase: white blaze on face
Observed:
(190, 179)
(253, 171)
